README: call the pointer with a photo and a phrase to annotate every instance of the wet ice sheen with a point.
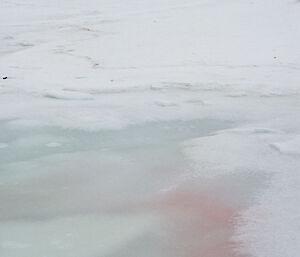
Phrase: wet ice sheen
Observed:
(100, 194)
(28, 143)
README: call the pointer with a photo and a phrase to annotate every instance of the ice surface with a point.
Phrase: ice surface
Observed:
(75, 198)
(149, 128)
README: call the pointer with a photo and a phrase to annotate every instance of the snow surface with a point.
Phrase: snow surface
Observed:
(149, 128)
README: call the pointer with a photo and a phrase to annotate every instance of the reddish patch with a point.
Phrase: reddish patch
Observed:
(197, 223)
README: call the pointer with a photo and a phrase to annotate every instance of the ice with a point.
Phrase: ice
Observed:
(149, 128)
(88, 235)
(3, 145)
(53, 144)
(93, 184)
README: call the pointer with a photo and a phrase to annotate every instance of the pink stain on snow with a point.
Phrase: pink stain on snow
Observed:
(196, 223)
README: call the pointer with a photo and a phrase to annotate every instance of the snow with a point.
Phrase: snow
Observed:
(289, 146)
(155, 128)
(67, 95)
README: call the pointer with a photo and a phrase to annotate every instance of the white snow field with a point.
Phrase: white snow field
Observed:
(149, 128)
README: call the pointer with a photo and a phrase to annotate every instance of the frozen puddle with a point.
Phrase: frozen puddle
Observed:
(128, 192)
